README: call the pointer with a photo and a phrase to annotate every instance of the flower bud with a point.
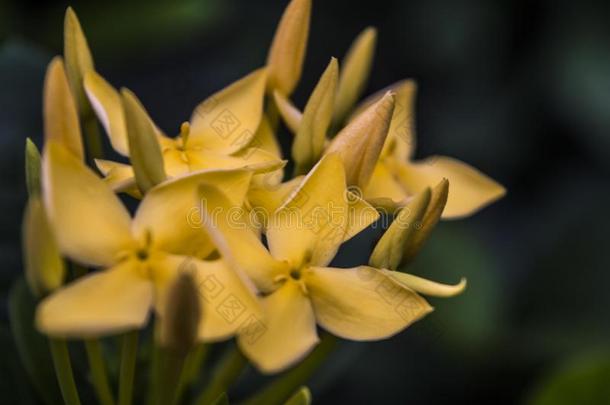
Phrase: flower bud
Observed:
(310, 138)
(287, 52)
(60, 115)
(44, 267)
(78, 59)
(355, 73)
(144, 148)
(32, 168)
(360, 142)
(182, 314)
(389, 251)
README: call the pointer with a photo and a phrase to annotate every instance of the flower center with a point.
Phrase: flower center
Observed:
(295, 274)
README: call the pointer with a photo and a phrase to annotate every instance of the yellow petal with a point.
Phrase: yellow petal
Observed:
(266, 198)
(227, 299)
(355, 72)
(287, 333)
(90, 223)
(44, 268)
(290, 114)
(311, 225)
(361, 215)
(401, 135)
(101, 303)
(118, 176)
(311, 135)
(106, 103)
(228, 302)
(172, 213)
(362, 303)
(389, 250)
(427, 287)
(438, 199)
(227, 121)
(227, 225)
(470, 191)
(144, 148)
(360, 142)
(265, 140)
(287, 52)
(383, 190)
(60, 116)
(78, 58)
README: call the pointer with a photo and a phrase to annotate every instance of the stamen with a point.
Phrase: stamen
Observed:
(185, 131)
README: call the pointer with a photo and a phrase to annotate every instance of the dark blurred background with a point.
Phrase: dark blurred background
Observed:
(519, 89)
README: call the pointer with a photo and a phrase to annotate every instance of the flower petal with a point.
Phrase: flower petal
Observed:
(90, 223)
(267, 198)
(427, 287)
(227, 225)
(172, 215)
(119, 176)
(287, 333)
(383, 190)
(227, 121)
(290, 114)
(362, 303)
(101, 303)
(470, 190)
(227, 299)
(311, 224)
(106, 103)
(287, 52)
(60, 115)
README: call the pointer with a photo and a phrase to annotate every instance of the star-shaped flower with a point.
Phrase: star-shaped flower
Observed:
(139, 257)
(300, 289)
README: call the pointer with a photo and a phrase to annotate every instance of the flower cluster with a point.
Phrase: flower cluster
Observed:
(223, 242)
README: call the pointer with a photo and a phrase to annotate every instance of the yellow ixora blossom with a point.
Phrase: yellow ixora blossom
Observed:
(139, 257)
(299, 289)
(226, 131)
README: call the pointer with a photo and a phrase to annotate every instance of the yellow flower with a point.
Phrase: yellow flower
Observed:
(226, 131)
(397, 177)
(140, 257)
(300, 290)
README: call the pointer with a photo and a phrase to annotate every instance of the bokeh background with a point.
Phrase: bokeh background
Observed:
(519, 89)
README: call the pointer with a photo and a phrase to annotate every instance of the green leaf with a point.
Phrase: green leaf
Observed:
(144, 148)
(32, 168)
(301, 397)
(581, 380)
(33, 347)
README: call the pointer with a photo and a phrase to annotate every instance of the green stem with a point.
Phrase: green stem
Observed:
(285, 385)
(92, 138)
(129, 352)
(168, 376)
(63, 370)
(225, 373)
(98, 372)
(192, 367)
